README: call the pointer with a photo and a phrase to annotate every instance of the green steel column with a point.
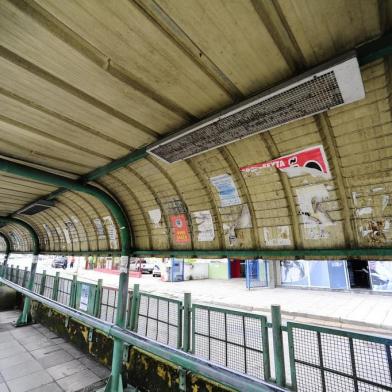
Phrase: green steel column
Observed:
(280, 375)
(186, 343)
(24, 277)
(25, 317)
(7, 253)
(74, 287)
(43, 283)
(56, 285)
(134, 307)
(98, 298)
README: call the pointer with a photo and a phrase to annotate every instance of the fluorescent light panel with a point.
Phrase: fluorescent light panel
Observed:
(325, 87)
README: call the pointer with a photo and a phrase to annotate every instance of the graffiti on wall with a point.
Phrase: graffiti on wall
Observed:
(315, 217)
(234, 219)
(277, 235)
(311, 161)
(205, 226)
(111, 229)
(155, 217)
(372, 212)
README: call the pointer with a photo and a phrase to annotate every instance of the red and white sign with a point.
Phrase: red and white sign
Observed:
(180, 229)
(311, 161)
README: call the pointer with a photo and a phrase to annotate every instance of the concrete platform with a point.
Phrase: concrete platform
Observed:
(33, 358)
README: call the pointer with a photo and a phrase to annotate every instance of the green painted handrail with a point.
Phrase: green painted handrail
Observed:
(219, 374)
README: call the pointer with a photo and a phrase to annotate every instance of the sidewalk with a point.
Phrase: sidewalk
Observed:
(366, 312)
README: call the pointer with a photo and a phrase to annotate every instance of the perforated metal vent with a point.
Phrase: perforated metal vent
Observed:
(296, 99)
(38, 206)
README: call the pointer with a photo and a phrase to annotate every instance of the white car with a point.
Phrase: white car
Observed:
(156, 271)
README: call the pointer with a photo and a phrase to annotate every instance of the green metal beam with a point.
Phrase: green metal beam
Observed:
(7, 243)
(240, 253)
(115, 380)
(64, 182)
(366, 53)
(375, 49)
(265, 253)
(117, 164)
(27, 227)
(25, 317)
(7, 252)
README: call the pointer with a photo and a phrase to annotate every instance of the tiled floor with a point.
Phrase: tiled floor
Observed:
(33, 358)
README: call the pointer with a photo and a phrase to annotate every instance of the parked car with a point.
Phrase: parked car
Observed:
(59, 262)
(156, 271)
(147, 268)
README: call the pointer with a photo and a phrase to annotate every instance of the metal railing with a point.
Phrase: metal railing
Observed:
(236, 340)
(108, 304)
(328, 359)
(219, 374)
(320, 359)
(159, 319)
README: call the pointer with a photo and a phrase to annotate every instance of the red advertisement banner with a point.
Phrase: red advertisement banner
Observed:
(180, 229)
(312, 161)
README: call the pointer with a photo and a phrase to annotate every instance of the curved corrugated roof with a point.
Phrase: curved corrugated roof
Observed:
(83, 83)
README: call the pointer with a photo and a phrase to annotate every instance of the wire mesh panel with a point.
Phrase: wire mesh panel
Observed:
(37, 283)
(64, 291)
(236, 340)
(49, 284)
(324, 359)
(109, 302)
(160, 319)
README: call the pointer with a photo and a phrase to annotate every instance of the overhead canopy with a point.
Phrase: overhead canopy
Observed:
(84, 83)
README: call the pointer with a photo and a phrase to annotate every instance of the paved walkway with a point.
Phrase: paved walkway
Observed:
(33, 358)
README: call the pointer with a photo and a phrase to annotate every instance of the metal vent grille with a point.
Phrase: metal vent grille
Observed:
(37, 207)
(311, 95)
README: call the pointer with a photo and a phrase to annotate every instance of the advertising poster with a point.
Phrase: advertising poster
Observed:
(311, 161)
(381, 275)
(85, 292)
(226, 189)
(294, 273)
(179, 225)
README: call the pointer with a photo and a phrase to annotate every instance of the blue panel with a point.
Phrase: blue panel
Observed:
(318, 273)
(337, 274)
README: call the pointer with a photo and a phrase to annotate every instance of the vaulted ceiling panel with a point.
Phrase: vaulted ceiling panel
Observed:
(85, 82)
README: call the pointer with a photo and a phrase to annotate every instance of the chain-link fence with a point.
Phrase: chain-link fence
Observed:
(160, 319)
(236, 340)
(324, 359)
